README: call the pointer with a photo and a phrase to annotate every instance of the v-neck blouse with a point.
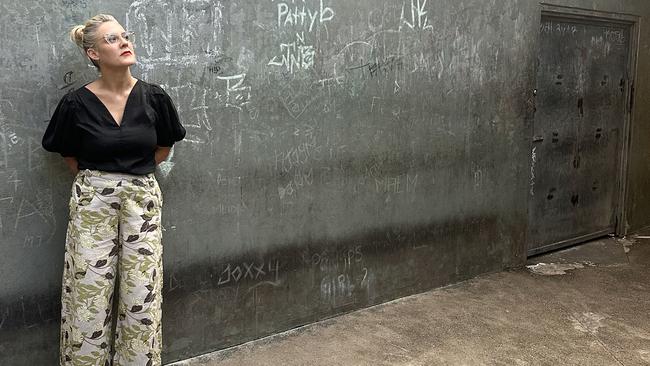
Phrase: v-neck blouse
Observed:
(82, 127)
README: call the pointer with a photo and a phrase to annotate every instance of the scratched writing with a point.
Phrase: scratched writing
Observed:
(300, 179)
(237, 94)
(286, 160)
(616, 36)
(34, 155)
(193, 107)
(608, 39)
(226, 209)
(295, 55)
(415, 16)
(296, 177)
(297, 96)
(39, 206)
(299, 16)
(9, 139)
(4, 151)
(405, 183)
(477, 170)
(344, 273)
(32, 241)
(563, 29)
(327, 258)
(533, 163)
(179, 37)
(198, 24)
(381, 67)
(268, 271)
(75, 3)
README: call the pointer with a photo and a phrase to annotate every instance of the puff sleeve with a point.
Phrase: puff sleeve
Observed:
(168, 126)
(61, 134)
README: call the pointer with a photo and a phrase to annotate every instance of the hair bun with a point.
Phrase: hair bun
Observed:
(77, 35)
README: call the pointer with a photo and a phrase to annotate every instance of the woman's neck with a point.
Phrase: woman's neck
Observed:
(116, 80)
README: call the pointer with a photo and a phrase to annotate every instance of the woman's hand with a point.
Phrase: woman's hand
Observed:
(161, 154)
(73, 165)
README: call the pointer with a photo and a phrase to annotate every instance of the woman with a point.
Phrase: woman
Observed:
(112, 133)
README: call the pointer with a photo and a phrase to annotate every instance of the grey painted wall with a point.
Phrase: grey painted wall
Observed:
(336, 158)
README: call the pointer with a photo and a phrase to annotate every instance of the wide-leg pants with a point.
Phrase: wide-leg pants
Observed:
(114, 233)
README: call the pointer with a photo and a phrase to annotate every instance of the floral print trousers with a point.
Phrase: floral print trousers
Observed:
(114, 235)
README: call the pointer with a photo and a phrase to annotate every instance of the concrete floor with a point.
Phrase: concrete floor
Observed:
(587, 305)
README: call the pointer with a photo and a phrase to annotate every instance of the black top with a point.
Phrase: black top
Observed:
(82, 127)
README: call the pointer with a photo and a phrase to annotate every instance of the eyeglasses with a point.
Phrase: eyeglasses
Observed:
(113, 38)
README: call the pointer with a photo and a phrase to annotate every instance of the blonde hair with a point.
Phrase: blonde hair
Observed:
(85, 36)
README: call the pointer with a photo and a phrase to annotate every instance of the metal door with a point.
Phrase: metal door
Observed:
(578, 132)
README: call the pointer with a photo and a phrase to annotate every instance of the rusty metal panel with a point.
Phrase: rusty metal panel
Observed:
(578, 131)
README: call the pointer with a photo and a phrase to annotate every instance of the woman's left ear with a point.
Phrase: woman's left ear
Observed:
(92, 54)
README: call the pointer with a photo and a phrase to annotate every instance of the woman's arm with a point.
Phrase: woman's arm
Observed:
(161, 154)
(72, 164)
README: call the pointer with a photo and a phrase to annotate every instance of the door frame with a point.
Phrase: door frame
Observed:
(632, 22)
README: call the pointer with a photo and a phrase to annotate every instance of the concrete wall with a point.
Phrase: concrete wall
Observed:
(391, 156)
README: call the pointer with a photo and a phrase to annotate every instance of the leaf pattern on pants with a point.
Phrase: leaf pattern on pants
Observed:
(114, 225)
